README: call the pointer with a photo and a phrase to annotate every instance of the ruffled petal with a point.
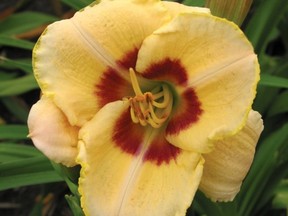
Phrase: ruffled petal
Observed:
(227, 165)
(51, 133)
(83, 62)
(133, 172)
(117, 27)
(213, 70)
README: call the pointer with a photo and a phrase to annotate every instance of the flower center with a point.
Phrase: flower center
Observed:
(153, 107)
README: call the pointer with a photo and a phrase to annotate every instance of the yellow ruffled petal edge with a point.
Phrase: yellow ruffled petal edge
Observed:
(51, 133)
(114, 182)
(211, 57)
(227, 165)
(76, 60)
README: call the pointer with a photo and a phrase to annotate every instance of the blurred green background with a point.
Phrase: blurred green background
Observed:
(29, 185)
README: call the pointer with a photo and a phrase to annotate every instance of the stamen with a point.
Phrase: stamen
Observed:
(154, 117)
(153, 124)
(143, 122)
(158, 95)
(134, 82)
(166, 96)
(133, 116)
(144, 108)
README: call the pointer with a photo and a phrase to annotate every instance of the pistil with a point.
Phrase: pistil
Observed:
(153, 107)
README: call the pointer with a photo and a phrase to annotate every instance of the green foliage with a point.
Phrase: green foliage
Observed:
(264, 23)
(197, 3)
(22, 165)
(18, 85)
(74, 203)
(273, 81)
(78, 4)
(280, 199)
(13, 132)
(15, 42)
(24, 21)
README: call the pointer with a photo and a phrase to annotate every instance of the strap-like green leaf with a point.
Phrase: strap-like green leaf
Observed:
(22, 64)
(13, 132)
(14, 42)
(33, 178)
(279, 105)
(24, 21)
(273, 81)
(77, 4)
(18, 86)
(265, 18)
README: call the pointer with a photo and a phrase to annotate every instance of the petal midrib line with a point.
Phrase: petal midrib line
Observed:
(134, 168)
(207, 74)
(97, 49)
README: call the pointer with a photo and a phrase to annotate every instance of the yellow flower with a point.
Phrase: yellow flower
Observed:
(144, 94)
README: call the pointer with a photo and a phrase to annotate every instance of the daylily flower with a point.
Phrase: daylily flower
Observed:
(145, 95)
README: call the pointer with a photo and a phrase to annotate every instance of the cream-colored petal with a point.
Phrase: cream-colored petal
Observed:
(116, 182)
(82, 60)
(51, 133)
(227, 165)
(117, 27)
(210, 60)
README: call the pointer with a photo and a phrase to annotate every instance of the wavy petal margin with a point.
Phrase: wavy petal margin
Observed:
(210, 61)
(227, 165)
(51, 132)
(74, 58)
(114, 181)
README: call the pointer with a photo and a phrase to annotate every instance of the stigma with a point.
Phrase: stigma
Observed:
(152, 107)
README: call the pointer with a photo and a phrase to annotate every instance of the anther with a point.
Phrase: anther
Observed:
(151, 108)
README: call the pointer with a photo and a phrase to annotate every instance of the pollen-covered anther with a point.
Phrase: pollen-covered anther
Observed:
(152, 107)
